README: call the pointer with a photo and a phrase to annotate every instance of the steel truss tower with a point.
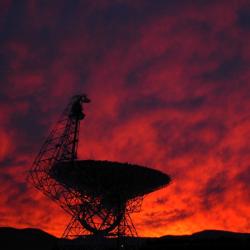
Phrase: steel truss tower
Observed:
(89, 215)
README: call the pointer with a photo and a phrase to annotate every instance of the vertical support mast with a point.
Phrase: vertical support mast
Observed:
(75, 116)
(61, 145)
(75, 141)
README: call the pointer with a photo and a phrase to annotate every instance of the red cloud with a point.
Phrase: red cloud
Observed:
(169, 84)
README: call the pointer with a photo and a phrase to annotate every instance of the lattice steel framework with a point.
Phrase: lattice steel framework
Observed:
(89, 215)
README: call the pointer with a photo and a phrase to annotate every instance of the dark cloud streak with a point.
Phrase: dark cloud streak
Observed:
(169, 82)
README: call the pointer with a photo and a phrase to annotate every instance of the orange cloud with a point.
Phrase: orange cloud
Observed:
(169, 84)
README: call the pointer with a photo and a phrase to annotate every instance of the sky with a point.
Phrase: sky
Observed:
(170, 88)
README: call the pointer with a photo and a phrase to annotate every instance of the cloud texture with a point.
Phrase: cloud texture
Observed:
(169, 84)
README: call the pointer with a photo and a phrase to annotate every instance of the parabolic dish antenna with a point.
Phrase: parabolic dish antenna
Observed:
(99, 195)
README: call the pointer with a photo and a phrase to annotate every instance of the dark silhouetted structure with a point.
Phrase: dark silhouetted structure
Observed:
(99, 195)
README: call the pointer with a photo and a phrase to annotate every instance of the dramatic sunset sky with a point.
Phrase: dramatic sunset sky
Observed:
(169, 82)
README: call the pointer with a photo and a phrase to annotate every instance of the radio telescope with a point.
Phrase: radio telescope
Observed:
(99, 195)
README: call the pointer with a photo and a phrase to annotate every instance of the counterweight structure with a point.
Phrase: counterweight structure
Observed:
(99, 195)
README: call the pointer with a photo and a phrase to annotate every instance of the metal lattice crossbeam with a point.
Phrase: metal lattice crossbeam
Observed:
(99, 195)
